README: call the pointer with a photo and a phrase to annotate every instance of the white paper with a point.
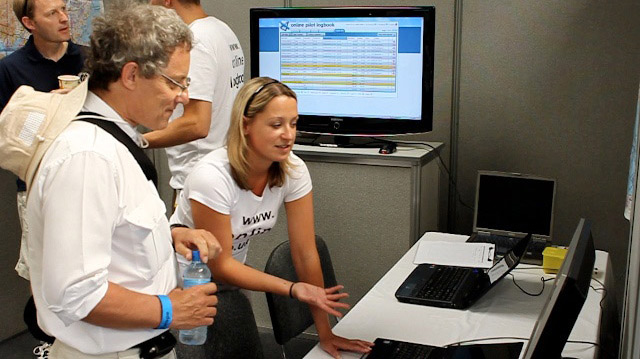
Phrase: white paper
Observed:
(497, 271)
(476, 255)
(447, 237)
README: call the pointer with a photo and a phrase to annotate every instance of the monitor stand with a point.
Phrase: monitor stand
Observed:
(340, 141)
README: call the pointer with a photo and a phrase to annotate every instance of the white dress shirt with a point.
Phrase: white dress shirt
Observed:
(94, 218)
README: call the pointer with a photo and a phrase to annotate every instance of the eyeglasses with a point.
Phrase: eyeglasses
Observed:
(182, 87)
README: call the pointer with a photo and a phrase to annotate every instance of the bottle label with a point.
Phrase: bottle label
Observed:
(190, 282)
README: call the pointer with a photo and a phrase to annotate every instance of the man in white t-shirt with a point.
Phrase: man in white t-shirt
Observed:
(217, 73)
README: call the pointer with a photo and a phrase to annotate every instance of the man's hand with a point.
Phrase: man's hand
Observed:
(193, 307)
(61, 91)
(186, 239)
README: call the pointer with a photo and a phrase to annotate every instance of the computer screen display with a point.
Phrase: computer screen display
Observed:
(569, 292)
(354, 70)
(508, 203)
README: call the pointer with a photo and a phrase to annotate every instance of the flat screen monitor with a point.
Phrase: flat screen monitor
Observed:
(568, 295)
(514, 204)
(355, 70)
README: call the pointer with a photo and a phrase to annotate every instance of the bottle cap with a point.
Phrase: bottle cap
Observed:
(195, 256)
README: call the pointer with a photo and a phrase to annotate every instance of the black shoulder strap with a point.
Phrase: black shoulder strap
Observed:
(145, 163)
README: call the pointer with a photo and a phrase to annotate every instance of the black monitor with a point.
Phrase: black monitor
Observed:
(356, 70)
(568, 295)
(514, 204)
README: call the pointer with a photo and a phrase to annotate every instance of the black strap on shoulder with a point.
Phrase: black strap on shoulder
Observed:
(145, 163)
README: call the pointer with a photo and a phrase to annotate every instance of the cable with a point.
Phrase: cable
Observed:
(484, 339)
(527, 268)
(603, 289)
(542, 279)
(599, 282)
(515, 338)
(443, 166)
(454, 186)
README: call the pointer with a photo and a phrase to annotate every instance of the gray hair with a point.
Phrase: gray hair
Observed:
(141, 33)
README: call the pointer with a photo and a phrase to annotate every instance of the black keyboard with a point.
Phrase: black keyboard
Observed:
(503, 243)
(443, 284)
(406, 350)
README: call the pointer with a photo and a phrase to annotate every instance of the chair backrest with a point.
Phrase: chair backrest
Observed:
(291, 317)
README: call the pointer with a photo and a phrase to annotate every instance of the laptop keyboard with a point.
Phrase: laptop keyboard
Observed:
(406, 350)
(392, 349)
(443, 284)
(503, 243)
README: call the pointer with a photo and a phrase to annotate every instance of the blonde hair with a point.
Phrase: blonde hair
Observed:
(252, 98)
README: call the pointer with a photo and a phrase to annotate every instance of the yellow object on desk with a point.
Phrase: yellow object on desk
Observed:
(552, 258)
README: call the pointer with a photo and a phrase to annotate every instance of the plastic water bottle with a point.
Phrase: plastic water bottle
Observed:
(196, 273)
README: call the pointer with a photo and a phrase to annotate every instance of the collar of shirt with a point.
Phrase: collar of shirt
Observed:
(34, 55)
(31, 50)
(93, 103)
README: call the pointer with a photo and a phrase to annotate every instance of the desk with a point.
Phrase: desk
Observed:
(504, 311)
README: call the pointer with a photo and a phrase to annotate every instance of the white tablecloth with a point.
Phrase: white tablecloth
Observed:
(504, 311)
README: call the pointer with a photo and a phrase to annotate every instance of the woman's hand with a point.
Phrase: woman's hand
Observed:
(187, 239)
(325, 299)
(333, 344)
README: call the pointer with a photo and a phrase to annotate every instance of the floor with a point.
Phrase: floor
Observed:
(21, 346)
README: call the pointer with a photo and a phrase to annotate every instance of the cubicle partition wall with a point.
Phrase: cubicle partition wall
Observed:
(630, 343)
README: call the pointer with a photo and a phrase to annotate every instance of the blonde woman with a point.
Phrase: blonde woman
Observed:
(235, 193)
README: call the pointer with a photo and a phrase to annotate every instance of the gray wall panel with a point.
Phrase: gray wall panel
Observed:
(236, 15)
(550, 88)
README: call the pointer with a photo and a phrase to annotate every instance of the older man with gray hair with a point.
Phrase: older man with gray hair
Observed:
(103, 269)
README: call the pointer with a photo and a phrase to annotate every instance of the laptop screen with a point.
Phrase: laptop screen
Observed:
(511, 203)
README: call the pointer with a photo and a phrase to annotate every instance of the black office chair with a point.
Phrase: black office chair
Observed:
(234, 333)
(291, 317)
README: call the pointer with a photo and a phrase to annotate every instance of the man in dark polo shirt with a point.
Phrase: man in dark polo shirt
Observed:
(47, 54)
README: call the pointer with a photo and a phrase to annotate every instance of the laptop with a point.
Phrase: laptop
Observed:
(457, 287)
(510, 205)
(395, 349)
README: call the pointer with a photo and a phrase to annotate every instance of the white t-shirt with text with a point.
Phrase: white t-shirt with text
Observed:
(211, 184)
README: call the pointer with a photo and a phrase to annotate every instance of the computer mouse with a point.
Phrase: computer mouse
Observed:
(387, 148)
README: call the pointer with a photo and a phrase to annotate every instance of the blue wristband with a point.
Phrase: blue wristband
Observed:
(167, 312)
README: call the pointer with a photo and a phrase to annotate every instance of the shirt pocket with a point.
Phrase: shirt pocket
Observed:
(146, 225)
